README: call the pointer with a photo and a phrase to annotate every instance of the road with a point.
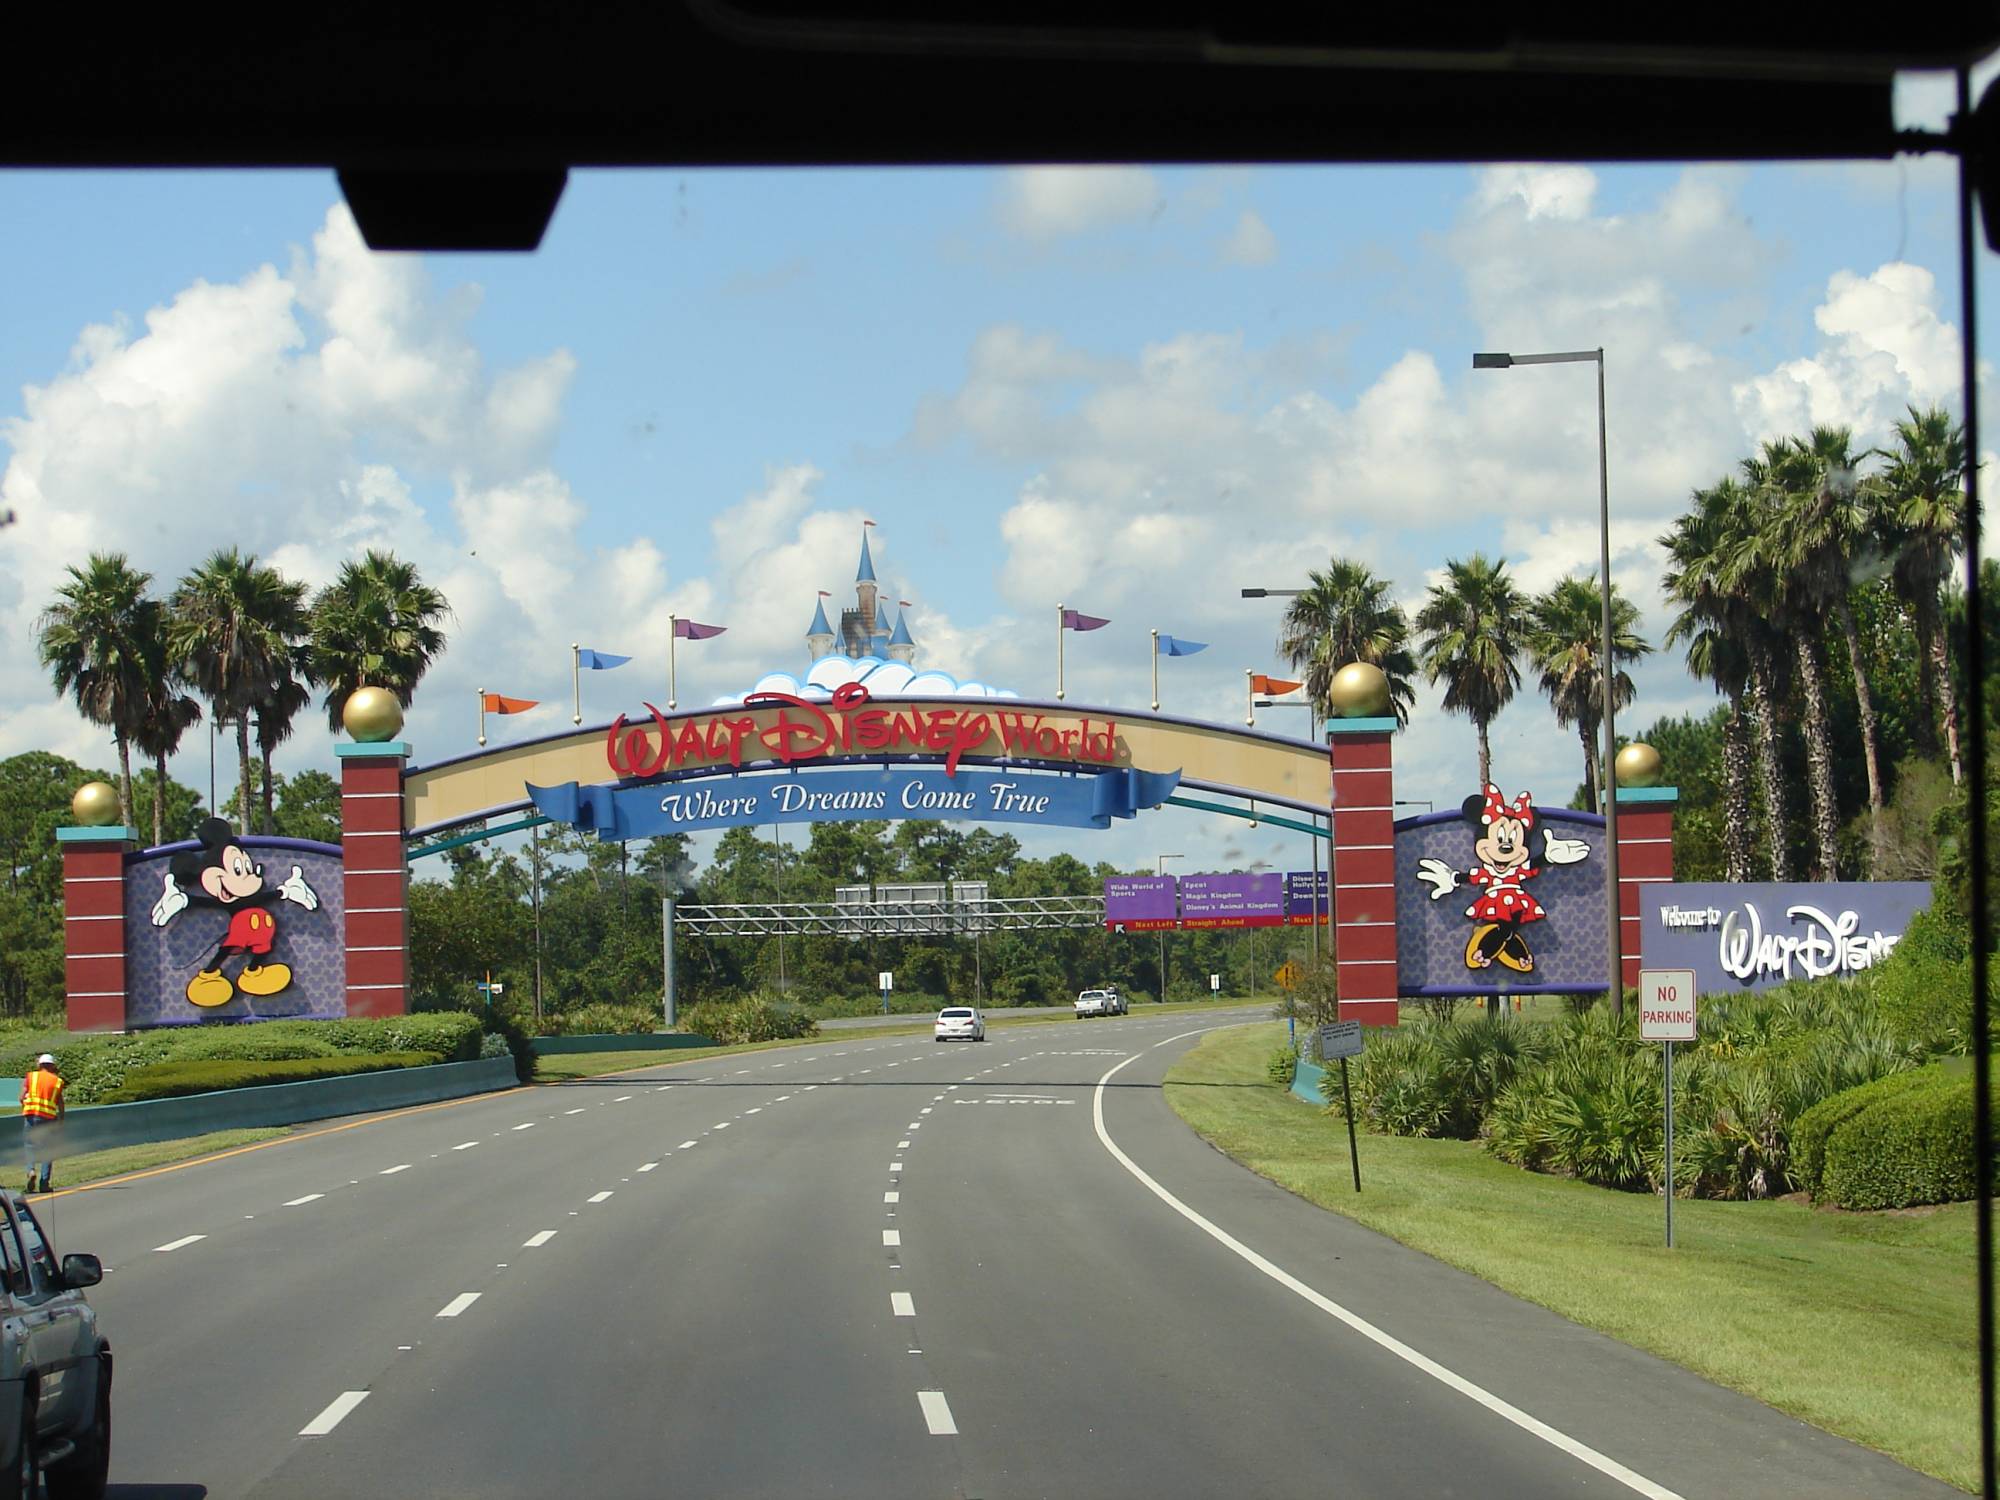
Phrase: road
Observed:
(868, 1267)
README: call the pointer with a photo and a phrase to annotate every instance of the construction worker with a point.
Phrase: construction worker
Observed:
(41, 1104)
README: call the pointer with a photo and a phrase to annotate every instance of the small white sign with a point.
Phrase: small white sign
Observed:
(1666, 1005)
(885, 981)
(499, 989)
(1339, 1039)
(1214, 983)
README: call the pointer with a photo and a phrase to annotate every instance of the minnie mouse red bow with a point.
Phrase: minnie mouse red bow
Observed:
(1497, 806)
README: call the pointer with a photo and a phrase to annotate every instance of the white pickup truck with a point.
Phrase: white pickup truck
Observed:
(1100, 1003)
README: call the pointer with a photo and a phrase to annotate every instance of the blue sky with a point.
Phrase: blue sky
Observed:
(1133, 391)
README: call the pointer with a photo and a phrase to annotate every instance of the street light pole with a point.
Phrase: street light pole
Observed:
(1606, 668)
(1160, 868)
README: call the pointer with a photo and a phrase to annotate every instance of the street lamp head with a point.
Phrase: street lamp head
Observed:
(1492, 361)
(1255, 593)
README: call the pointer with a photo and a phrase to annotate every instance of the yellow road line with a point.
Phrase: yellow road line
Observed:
(283, 1140)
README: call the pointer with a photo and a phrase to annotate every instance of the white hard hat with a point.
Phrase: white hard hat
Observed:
(47, 1057)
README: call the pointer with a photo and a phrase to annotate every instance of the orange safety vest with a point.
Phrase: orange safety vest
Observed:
(41, 1094)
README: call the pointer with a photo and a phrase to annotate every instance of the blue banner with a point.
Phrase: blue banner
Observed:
(650, 810)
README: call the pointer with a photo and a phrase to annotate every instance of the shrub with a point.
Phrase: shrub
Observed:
(1279, 1067)
(173, 1080)
(1923, 990)
(753, 1020)
(493, 1044)
(1440, 1078)
(605, 1019)
(1914, 1146)
(1815, 1127)
(1604, 1118)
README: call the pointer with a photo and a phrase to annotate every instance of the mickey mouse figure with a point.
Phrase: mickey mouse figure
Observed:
(221, 873)
(1501, 846)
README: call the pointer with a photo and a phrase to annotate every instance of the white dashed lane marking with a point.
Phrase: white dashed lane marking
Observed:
(902, 1305)
(937, 1415)
(332, 1417)
(180, 1244)
(902, 1145)
(525, 1125)
(576, 1111)
(458, 1304)
(892, 1196)
(392, 1171)
(621, 1098)
(600, 1197)
(892, 1236)
(536, 1241)
(648, 1166)
(309, 1198)
(689, 1145)
(895, 1166)
(465, 1145)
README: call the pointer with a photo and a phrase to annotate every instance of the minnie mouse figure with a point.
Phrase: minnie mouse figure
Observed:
(1501, 846)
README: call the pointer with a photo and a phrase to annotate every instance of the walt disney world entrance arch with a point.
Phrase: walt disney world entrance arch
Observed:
(1416, 905)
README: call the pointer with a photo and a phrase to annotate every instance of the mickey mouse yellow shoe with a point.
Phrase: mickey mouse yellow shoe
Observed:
(209, 988)
(264, 979)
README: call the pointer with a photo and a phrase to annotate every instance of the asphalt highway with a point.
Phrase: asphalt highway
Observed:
(872, 1267)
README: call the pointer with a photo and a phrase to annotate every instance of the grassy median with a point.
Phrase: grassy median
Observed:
(1862, 1324)
(95, 1166)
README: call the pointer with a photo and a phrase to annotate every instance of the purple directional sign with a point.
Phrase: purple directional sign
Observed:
(1140, 903)
(1233, 900)
(1302, 906)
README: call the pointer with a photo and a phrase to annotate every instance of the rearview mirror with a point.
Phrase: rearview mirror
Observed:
(79, 1271)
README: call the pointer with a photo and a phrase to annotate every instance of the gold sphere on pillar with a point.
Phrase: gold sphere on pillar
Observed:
(1359, 690)
(95, 805)
(372, 715)
(1639, 764)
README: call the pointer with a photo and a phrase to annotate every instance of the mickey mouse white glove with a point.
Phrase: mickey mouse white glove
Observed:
(1439, 876)
(173, 901)
(1563, 851)
(296, 890)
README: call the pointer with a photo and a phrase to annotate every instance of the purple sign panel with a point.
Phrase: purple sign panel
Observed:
(207, 940)
(1746, 937)
(1140, 903)
(1233, 900)
(1306, 898)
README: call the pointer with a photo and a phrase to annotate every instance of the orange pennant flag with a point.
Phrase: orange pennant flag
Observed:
(495, 704)
(1273, 685)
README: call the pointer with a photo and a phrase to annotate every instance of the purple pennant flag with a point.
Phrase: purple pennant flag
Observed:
(1076, 620)
(688, 630)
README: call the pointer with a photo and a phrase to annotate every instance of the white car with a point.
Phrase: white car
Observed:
(1099, 1003)
(962, 1023)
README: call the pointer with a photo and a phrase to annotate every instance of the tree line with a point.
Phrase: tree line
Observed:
(249, 641)
(1813, 587)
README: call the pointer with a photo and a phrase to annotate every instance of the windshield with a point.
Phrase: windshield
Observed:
(1450, 667)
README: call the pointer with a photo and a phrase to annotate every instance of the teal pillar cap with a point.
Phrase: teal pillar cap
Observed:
(1666, 794)
(381, 750)
(99, 835)
(1386, 724)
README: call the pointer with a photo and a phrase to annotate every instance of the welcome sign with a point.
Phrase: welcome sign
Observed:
(1748, 937)
(616, 812)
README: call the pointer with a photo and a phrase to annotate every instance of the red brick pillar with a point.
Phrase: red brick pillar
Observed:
(1645, 857)
(94, 926)
(374, 877)
(1364, 868)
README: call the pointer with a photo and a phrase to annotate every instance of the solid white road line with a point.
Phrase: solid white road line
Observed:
(392, 1171)
(892, 1236)
(599, 1197)
(1610, 1467)
(309, 1198)
(525, 1125)
(458, 1304)
(331, 1418)
(180, 1244)
(537, 1240)
(937, 1415)
(901, 1305)
(892, 1196)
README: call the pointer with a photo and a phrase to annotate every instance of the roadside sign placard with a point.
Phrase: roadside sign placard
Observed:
(1288, 976)
(1666, 1005)
(1340, 1039)
(885, 981)
(1214, 983)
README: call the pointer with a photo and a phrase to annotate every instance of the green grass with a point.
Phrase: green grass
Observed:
(1858, 1323)
(71, 1171)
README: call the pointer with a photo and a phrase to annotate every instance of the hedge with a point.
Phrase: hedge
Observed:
(1813, 1129)
(1913, 1147)
(172, 1080)
(754, 1020)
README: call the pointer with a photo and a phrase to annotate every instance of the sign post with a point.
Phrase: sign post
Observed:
(1342, 1039)
(885, 981)
(1667, 1015)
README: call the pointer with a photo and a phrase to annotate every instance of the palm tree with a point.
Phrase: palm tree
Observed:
(289, 697)
(165, 714)
(1833, 525)
(376, 625)
(1924, 488)
(1346, 615)
(234, 626)
(1725, 607)
(1472, 624)
(1565, 641)
(92, 640)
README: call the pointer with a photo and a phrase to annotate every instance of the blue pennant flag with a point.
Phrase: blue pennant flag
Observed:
(1174, 646)
(599, 661)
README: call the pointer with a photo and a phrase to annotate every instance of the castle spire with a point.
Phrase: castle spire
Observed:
(902, 646)
(866, 572)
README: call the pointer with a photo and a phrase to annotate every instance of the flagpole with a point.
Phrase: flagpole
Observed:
(482, 716)
(1059, 653)
(673, 667)
(576, 680)
(1156, 671)
(1250, 696)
